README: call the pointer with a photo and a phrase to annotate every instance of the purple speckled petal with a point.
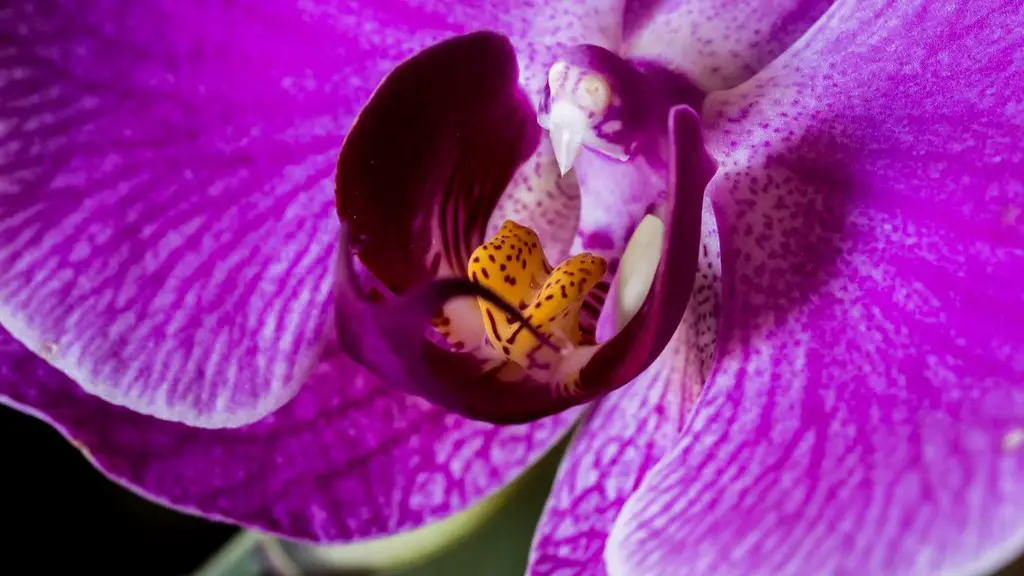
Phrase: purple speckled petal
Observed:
(347, 458)
(865, 414)
(717, 44)
(627, 433)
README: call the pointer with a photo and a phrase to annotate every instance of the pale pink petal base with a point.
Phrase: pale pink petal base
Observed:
(346, 459)
(865, 414)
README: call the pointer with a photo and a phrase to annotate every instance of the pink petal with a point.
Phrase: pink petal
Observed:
(348, 458)
(865, 414)
(717, 43)
(627, 433)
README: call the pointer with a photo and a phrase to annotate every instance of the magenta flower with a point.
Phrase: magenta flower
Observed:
(820, 374)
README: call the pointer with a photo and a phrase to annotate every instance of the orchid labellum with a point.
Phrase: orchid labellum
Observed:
(338, 271)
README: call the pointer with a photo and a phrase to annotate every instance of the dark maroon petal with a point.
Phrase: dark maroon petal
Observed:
(430, 155)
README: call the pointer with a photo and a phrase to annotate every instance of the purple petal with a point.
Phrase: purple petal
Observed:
(716, 43)
(429, 156)
(865, 413)
(627, 433)
(347, 458)
(166, 228)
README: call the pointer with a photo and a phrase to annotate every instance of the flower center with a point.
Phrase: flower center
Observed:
(513, 266)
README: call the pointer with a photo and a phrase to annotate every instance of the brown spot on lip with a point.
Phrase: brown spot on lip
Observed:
(494, 326)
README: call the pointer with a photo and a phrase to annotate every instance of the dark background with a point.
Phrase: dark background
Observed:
(60, 515)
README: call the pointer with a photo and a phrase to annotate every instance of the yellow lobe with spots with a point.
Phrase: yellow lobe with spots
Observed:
(513, 266)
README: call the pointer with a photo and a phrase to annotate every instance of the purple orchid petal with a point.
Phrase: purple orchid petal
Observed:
(865, 413)
(166, 229)
(388, 337)
(348, 458)
(717, 44)
(627, 433)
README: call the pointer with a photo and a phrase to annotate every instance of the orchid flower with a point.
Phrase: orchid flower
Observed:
(798, 350)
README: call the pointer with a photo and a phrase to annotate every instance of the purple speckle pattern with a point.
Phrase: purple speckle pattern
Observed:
(348, 458)
(717, 44)
(865, 413)
(628, 432)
